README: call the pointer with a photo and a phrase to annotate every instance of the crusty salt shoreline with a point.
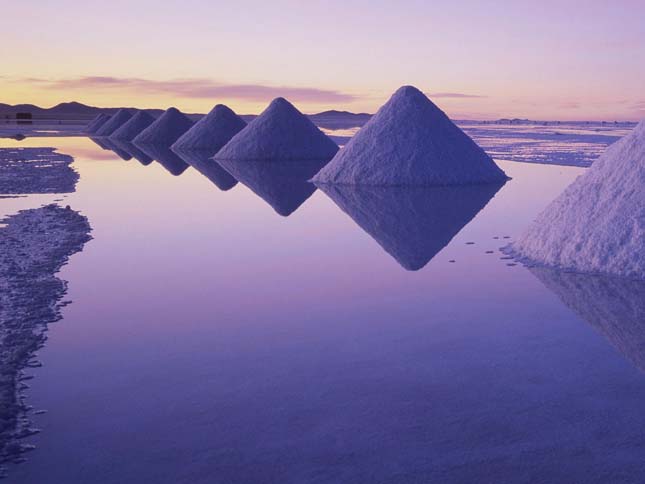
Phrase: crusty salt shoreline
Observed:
(36, 170)
(34, 245)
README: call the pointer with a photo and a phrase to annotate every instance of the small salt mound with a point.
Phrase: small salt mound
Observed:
(137, 123)
(280, 133)
(202, 162)
(282, 184)
(412, 224)
(597, 224)
(96, 123)
(211, 132)
(165, 130)
(115, 122)
(410, 141)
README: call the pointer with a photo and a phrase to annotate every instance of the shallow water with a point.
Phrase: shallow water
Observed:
(211, 339)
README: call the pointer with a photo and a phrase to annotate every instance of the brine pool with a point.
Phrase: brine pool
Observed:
(212, 339)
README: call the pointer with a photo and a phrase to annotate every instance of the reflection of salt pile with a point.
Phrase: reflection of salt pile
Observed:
(211, 132)
(202, 162)
(165, 130)
(283, 185)
(34, 245)
(598, 223)
(133, 151)
(410, 141)
(281, 133)
(412, 224)
(165, 157)
(615, 306)
(113, 147)
(115, 122)
(137, 123)
(96, 123)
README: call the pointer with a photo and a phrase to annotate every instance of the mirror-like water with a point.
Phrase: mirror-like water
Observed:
(211, 339)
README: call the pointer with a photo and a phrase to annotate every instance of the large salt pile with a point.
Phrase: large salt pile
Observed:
(410, 141)
(137, 123)
(412, 224)
(211, 132)
(597, 224)
(165, 130)
(115, 122)
(96, 123)
(280, 133)
(283, 185)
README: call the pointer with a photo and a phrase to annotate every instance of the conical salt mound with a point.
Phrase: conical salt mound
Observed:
(211, 132)
(410, 141)
(280, 133)
(96, 123)
(137, 123)
(597, 224)
(412, 224)
(165, 130)
(115, 122)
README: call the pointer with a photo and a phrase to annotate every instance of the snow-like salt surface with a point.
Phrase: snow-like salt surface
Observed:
(96, 123)
(211, 132)
(137, 123)
(115, 122)
(597, 224)
(165, 130)
(410, 141)
(280, 133)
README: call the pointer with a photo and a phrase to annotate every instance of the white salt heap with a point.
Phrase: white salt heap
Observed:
(137, 123)
(212, 131)
(165, 130)
(115, 122)
(280, 133)
(96, 123)
(410, 141)
(597, 224)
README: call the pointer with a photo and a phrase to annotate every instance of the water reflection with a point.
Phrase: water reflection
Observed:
(100, 142)
(282, 184)
(412, 224)
(202, 162)
(112, 146)
(132, 150)
(614, 306)
(165, 157)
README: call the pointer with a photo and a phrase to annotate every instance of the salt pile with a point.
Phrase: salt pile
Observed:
(283, 185)
(410, 141)
(202, 162)
(96, 123)
(597, 224)
(115, 122)
(281, 133)
(614, 306)
(137, 123)
(211, 132)
(412, 224)
(165, 130)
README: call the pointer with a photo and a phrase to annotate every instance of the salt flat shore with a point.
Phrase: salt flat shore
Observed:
(34, 245)
(35, 170)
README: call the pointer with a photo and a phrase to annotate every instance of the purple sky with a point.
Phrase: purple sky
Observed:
(548, 59)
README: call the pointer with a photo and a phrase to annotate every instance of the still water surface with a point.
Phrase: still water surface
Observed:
(212, 339)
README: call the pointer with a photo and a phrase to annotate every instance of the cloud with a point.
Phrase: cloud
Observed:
(454, 95)
(196, 88)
